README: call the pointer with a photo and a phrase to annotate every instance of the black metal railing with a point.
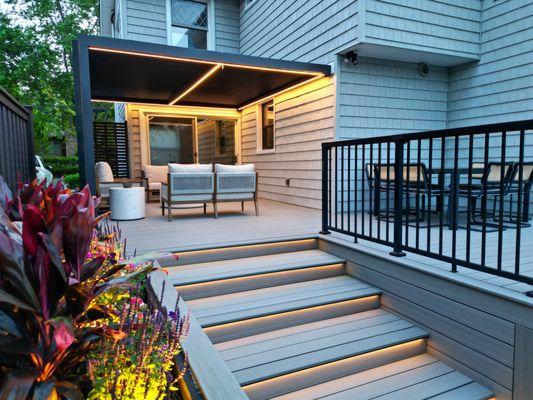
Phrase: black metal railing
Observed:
(460, 195)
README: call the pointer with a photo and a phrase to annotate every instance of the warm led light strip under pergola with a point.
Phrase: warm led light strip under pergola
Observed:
(196, 84)
(216, 67)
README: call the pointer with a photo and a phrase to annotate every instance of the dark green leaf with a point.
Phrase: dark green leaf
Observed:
(8, 324)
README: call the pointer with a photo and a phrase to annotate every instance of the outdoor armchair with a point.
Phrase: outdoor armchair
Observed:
(188, 184)
(105, 180)
(236, 183)
(153, 176)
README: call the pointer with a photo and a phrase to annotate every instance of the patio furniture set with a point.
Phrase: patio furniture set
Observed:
(183, 185)
(491, 182)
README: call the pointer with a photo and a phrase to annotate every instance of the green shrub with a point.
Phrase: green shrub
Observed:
(61, 166)
(72, 180)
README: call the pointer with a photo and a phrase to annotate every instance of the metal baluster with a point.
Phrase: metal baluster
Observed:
(484, 204)
(442, 178)
(325, 193)
(502, 187)
(469, 205)
(455, 196)
(430, 184)
(398, 198)
(407, 192)
(336, 213)
(519, 208)
(356, 192)
(377, 196)
(342, 187)
(387, 214)
(363, 177)
(371, 195)
(349, 186)
(417, 197)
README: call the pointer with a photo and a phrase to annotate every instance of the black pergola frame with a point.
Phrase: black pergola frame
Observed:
(83, 46)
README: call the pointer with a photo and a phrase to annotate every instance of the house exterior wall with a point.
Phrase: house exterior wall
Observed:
(145, 20)
(381, 97)
(499, 87)
(309, 31)
(382, 94)
(449, 26)
(304, 119)
(227, 26)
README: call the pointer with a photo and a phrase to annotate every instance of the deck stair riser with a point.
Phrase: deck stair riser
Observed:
(203, 255)
(301, 347)
(217, 271)
(246, 305)
(292, 324)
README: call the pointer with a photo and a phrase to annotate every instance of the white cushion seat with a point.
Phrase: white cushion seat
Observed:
(189, 168)
(154, 185)
(234, 168)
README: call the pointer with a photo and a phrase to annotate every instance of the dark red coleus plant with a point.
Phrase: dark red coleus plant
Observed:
(47, 289)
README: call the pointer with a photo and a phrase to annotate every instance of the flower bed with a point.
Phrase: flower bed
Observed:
(75, 318)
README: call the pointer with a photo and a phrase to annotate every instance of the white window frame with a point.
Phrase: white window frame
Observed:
(249, 3)
(259, 127)
(210, 23)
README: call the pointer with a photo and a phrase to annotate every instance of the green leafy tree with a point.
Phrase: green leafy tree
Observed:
(35, 59)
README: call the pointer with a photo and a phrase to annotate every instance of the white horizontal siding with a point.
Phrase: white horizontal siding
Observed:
(302, 30)
(304, 119)
(445, 26)
(379, 97)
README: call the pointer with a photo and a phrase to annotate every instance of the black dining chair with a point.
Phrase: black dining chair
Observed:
(513, 190)
(489, 187)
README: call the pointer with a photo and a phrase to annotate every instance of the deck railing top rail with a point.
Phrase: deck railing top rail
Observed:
(463, 196)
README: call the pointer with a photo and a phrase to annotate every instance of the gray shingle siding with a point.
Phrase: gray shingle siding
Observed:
(227, 25)
(302, 30)
(379, 97)
(446, 26)
(500, 87)
(146, 20)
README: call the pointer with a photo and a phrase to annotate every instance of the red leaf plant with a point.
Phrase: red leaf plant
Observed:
(48, 287)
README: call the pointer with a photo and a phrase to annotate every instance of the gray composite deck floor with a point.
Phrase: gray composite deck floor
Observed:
(191, 228)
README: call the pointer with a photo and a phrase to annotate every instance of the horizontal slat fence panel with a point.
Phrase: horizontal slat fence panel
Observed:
(111, 146)
(17, 157)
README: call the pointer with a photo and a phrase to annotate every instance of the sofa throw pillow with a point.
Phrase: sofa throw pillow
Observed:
(234, 168)
(189, 168)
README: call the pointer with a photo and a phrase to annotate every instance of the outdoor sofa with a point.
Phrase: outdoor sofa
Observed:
(203, 184)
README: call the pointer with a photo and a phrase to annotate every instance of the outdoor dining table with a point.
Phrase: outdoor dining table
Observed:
(453, 190)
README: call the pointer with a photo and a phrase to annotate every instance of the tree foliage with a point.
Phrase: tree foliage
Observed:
(35, 59)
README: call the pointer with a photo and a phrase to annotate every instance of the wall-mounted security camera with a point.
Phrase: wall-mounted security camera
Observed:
(423, 69)
(351, 57)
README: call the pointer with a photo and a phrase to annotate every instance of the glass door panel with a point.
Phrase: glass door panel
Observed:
(171, 140)
(216, 141)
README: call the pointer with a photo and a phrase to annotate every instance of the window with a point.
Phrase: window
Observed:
(266, 126)
(189, 23)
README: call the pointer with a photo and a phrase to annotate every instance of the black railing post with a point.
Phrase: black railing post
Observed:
(325, 210)
(398, 198)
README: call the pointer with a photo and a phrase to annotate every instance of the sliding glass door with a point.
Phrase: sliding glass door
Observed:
(171, 140)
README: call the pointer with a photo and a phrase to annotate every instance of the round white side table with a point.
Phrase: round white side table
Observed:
(127, 203)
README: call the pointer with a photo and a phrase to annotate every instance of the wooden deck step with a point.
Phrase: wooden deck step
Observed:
(227, 269)
(416, 378)
(272, 354)
(229, 308)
